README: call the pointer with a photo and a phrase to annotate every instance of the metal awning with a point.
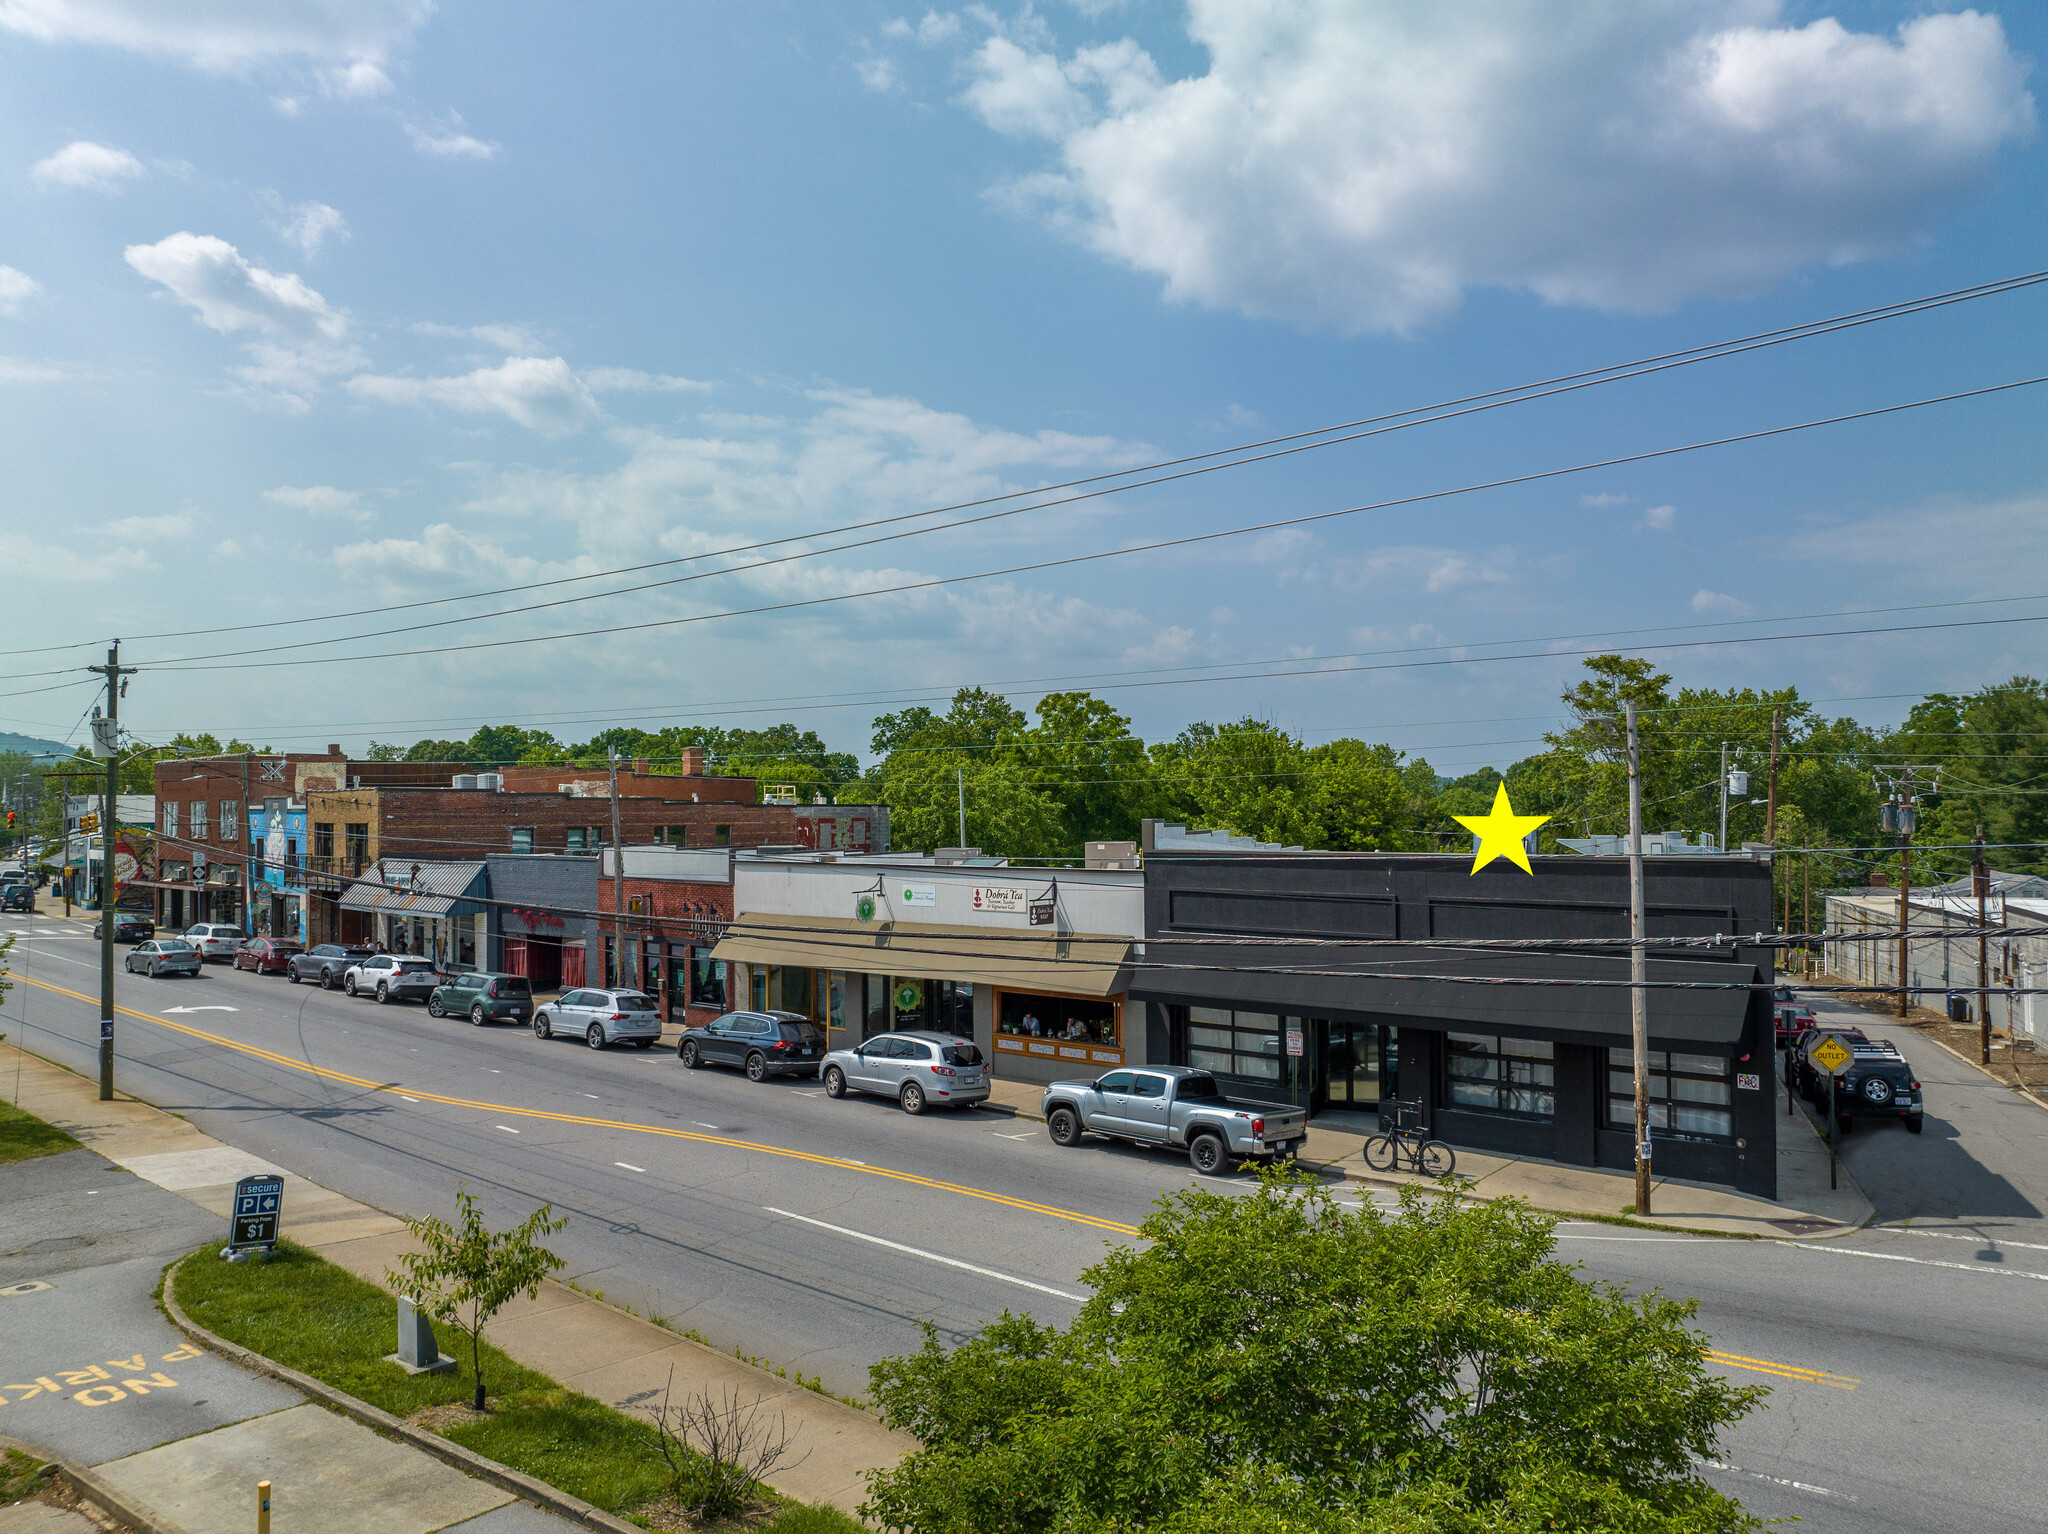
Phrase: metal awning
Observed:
(1076, 963)
(398, 887)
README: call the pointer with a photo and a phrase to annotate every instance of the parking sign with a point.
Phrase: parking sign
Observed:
(259, 1205)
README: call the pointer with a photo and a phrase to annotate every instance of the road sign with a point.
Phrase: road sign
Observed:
(1831, 1055)
(259, 1205)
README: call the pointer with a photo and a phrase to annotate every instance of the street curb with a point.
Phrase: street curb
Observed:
(89, 1486)
(519, 1484)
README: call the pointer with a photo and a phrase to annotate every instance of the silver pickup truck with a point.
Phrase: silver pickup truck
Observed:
(1173, 1105)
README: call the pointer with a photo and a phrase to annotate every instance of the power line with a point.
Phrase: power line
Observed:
(1447, 410)
(198, 663)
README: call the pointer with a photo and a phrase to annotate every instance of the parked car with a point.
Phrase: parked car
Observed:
(20, 896)
(764, 1043)
(163, 956)
(1879, 1083)
(483, 997)
(215, 940)
(1175, 1105)
(1803, 1073)
(917, 1069)
(599, 1018)
(324, 962)
(392, 977)
(265, 955)
(1790, 1019)
(128, 927)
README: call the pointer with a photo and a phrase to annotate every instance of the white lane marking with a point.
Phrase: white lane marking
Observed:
(508, 1129)
(592, 1096)
(851, 1162)
(702, 1125)
(1922, 1262)
(1950, 1235)
(1001, 1136)
(630, 1167)
(1775, 1480)
(496, 1072)
(202, 1009)
(808, 1091)
(951, 1262)
(404, 1098)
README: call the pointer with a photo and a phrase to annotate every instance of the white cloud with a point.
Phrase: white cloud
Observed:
(355, 81)
(934, 28)
(602, 380)
(321, 501)
(1358, 167)
(19, 370)
(312, 225)
(1949, 546)
(225, 35)
(287, 106)
(16, 289)
(1660, 519)
(68, 564)
(540, 393)
(301, 339)
(95, 167)
(175, 524)
(227, 548)
(1605, 498)
(447, 141)
(1719, 603)
(516, 339)
(878, 72)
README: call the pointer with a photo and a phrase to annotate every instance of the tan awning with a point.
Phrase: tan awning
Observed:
(1076, 963)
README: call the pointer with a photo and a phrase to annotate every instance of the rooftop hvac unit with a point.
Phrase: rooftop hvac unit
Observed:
(491, 782)
(465, 780)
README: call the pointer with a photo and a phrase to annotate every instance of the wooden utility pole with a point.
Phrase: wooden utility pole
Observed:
(107, 742)
(1980, 885)
(1638, 967)
(617, 976)
(1771, 809)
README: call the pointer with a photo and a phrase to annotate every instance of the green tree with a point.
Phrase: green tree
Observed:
(1281, 1362)
(1084, 758)
(465, 1275)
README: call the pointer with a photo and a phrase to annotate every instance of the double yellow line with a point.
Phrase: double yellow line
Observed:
(586, 1121)
(1783, 1371)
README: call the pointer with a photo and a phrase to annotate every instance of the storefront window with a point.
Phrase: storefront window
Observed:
(465, 945)
(707, 979)
(789, 989)
(1057, 1017)
(906, 1003)
(836, 983)
(1229, 1043)
(876, 1019)
(1689, 1096)
(1486, 1073)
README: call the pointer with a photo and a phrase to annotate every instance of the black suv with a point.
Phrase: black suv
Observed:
(1878, 1084)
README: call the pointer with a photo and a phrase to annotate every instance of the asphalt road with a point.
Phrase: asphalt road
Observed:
(1906, 1365)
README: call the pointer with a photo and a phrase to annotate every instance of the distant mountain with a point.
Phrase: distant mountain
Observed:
(29, 745)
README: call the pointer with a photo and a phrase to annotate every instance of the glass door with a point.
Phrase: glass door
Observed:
(1357, 1061)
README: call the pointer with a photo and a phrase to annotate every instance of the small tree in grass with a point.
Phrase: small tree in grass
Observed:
(465, 1275)
(1277, 1364)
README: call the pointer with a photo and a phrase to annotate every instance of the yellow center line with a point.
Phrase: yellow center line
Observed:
(1784, 1371)
(398, 1089)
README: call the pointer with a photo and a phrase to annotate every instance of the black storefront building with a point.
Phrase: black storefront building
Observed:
(1519, 1070)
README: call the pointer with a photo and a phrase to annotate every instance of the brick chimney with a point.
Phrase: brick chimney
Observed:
(640, 765)
(1880, 881)
(693, 761)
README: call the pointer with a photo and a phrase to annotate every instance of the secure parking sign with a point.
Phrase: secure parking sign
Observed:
(259, 1205)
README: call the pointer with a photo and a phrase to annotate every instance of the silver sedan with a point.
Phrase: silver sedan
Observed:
(919, 1070)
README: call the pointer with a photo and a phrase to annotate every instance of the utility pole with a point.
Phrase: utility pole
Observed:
(1724, 796)
(1638, 966)
(960, 781)
(107, 741)
(1980, 885)
(1900, 815)
(1771, 810)
(248, 851)
(617, 977)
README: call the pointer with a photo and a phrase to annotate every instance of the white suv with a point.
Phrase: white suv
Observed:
(215, 940)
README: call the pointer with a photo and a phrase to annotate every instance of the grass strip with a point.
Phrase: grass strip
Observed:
(304, 1312)
(21, 1475)
(23, 1136)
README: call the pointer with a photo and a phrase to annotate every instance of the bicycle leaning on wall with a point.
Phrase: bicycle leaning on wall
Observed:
(1404, 1138)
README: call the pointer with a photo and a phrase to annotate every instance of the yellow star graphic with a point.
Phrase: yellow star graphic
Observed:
(1500, 833)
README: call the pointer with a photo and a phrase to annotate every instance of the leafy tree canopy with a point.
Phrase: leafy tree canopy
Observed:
(1278, 1362)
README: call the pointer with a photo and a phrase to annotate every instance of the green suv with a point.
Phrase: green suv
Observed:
(483, 998)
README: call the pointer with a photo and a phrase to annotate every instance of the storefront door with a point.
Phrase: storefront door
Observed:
(1358, 1059)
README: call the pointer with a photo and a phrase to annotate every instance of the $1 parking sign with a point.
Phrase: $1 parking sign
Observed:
(259, 1205)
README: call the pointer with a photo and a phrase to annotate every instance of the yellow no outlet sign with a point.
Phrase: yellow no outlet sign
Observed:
(1831, 1055)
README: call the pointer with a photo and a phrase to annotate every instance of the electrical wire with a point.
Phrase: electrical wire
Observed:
(1450, 409)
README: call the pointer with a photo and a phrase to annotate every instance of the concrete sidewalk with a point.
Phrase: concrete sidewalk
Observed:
(585, 1345)
(1805, 1207)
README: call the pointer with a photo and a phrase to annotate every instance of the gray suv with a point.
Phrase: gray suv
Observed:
(917, 1069)
(764, 1043)
(599, 1018)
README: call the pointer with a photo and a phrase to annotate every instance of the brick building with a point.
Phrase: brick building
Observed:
(210, 814)
(677, 902)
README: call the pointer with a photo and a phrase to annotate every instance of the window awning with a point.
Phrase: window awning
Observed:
(1076, 963)
(416, 889)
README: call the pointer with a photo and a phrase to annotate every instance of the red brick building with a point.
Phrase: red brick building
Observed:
(676, 903)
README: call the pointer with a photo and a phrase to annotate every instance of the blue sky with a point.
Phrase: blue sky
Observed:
(315, 307)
